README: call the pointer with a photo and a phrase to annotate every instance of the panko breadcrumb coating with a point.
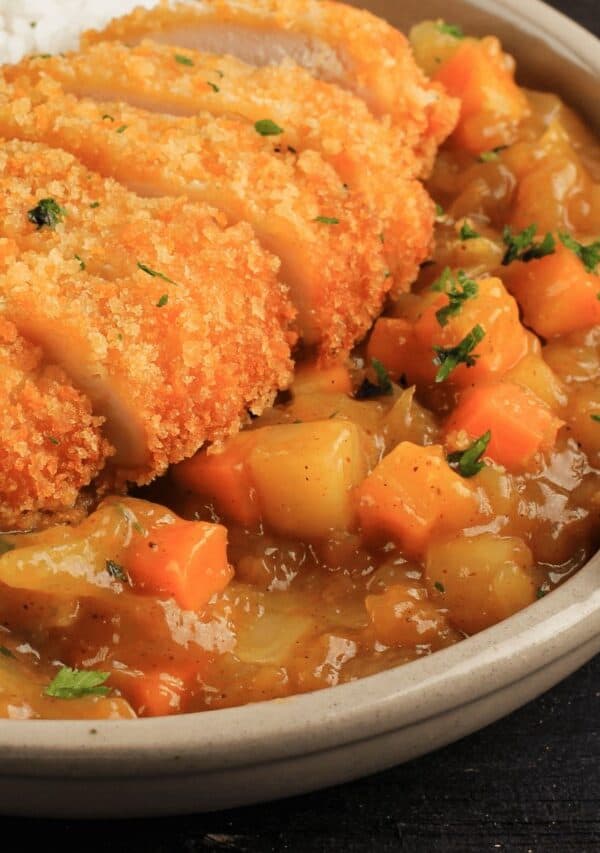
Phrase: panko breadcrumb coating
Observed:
(171, 324)
(328, 241)
(369, 155)
(50, 443)
(338, 43)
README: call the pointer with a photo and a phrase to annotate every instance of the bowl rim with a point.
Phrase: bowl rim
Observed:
(276, 729)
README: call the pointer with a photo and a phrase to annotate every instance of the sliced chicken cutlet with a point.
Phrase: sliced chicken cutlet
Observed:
(172, 325)
(338, 43)
(369, 155)
(51, 444)
(328, 241)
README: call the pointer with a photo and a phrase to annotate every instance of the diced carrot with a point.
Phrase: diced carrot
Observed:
(158, 692)
(492, 105)
(392, 343)
(520, 423)
(412, 495)
(186, 560)
(311, 378)
(223, 479)
(556, 293)
(505, 342)
(533, 373)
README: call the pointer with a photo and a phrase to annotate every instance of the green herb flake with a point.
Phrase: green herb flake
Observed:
(541, 592)
(468, 233)
(493, 155)
(267, 127)
(382, 388)
(451, 30)
(53, 440)
(595, 418)
(589, 255)
(47, 213)
(108, 117)
(327, 220)
(468, 462)
(95, 204)
(439, 586)
(522, 247)
(458, 289)
(6, 547)
(33, 24)
(81, 262)
(74, 683)
(439, 211)
(183, 60)
(6, 652)
(122, 128)
(116, 571)
(449, 358)
(213, 86)
(163, 300)
(154, 273)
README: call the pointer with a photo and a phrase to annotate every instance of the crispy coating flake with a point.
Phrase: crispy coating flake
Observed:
(327, 239)
(50, 443)
(348, 46)
(369, 155)
(171, 324)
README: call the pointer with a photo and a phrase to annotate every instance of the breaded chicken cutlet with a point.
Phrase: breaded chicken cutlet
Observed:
(369, 155)
(327, 239)
(335, 42)
(170, 324)
(51, 444)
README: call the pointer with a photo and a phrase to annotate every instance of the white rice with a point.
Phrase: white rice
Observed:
(52, 26)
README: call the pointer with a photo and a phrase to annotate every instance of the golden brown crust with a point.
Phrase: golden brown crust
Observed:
(370, 57)
(172, 362)
(369, 155)
(50, 443)
(336, 270)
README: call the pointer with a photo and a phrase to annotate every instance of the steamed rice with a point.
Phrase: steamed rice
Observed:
(52, 26)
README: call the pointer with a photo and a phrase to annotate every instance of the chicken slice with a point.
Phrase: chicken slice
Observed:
(50, 443)
(338, 43)
(172, 325)
(328, 241)
(368, 154)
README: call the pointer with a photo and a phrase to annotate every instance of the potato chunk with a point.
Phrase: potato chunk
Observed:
(481, 579)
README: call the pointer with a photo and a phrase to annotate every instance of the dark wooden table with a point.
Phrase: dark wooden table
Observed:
(528, 784)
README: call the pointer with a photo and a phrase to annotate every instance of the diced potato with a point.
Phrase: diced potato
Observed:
(480, 579)
(432, 44)
(584, 420)
(412, 495)
(533, 373)
(402, 616)
(407, 420)
(304, 475)
(575, 358)
(312, 378)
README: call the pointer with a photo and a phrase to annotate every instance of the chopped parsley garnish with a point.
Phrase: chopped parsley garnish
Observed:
(458, 289)
(154, 273)
(541, 592)
(267, 127)
(5, 547)
(468, 233)
(6, 652)
(163, 300)
(47, 212)
(449, 358)
(327, 220)
(213, 86)
(439, 586)
(439, 211)
(53, 440)
(588, 255)
(116, 571)
(451, 30)
(595, 418)
(382, 388)
(468, 462)
(107, 116)
(73, 683)
(33, 24)
(183, 60)
(81, 262)
(491, 156)
(522, 247)
(122, 128)
(95, 204)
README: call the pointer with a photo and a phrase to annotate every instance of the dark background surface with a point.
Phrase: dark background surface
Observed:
(529, 783)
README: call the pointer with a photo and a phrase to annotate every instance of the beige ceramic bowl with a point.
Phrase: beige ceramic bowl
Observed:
(242, 755)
